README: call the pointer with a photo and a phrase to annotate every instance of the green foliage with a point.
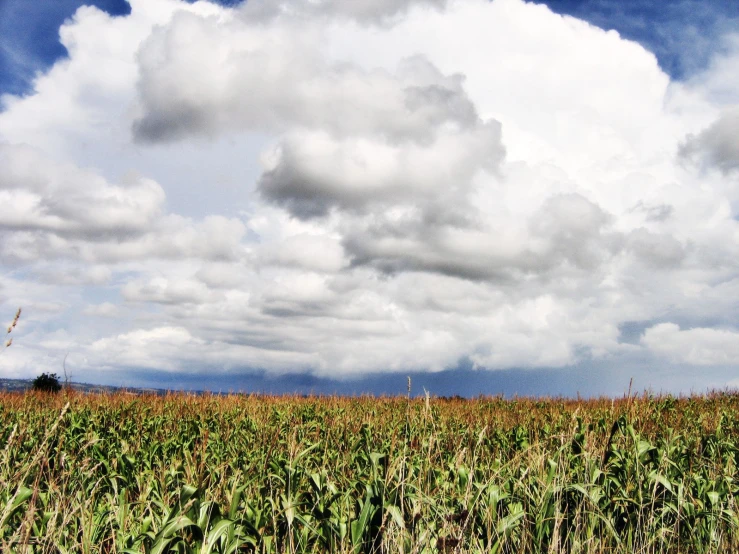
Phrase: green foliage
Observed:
(120, 473)
(47, 382)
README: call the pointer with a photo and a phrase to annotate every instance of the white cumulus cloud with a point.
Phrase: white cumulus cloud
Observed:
(697, 346)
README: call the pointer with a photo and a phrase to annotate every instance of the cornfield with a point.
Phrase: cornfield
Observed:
(118, 473)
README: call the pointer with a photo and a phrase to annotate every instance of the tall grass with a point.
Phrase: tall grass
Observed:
(121, 473)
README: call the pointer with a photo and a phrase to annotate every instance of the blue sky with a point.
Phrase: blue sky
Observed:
(491, 197)
(30, 32)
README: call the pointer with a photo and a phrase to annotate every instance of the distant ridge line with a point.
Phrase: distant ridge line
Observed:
(23, 385)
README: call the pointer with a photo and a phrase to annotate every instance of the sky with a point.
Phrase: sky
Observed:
(319, 196)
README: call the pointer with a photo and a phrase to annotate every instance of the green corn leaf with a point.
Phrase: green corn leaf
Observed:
(217, 532)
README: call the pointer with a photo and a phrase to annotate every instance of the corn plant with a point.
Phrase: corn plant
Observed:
(104, 473)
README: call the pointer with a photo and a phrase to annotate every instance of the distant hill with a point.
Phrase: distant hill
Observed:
(22, 385)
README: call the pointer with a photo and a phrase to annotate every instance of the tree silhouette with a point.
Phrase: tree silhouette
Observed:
(47, 382)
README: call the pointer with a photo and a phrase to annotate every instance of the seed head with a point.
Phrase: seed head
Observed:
(15, 320)
(12, 326)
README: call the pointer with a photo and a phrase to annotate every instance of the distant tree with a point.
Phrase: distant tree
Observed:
(47, 382)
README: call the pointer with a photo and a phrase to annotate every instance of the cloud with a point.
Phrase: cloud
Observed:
(56, 273)
(573, 228)
(54, 210)
(39, 195)
(368, 11)
(144, 348)
(697, 346)
(657, 250)
(106, 309)
(718, 145)
(311, 252)
(205, 75)
(567, 230)
(163, 291)
(718, 81)
(309, 174)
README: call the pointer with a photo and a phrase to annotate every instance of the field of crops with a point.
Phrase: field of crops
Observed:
(123, 473)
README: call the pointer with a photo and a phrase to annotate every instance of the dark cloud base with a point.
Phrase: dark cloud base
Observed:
(579, 381)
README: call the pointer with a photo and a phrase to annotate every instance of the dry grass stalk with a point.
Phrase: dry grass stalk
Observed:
(12, 326)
